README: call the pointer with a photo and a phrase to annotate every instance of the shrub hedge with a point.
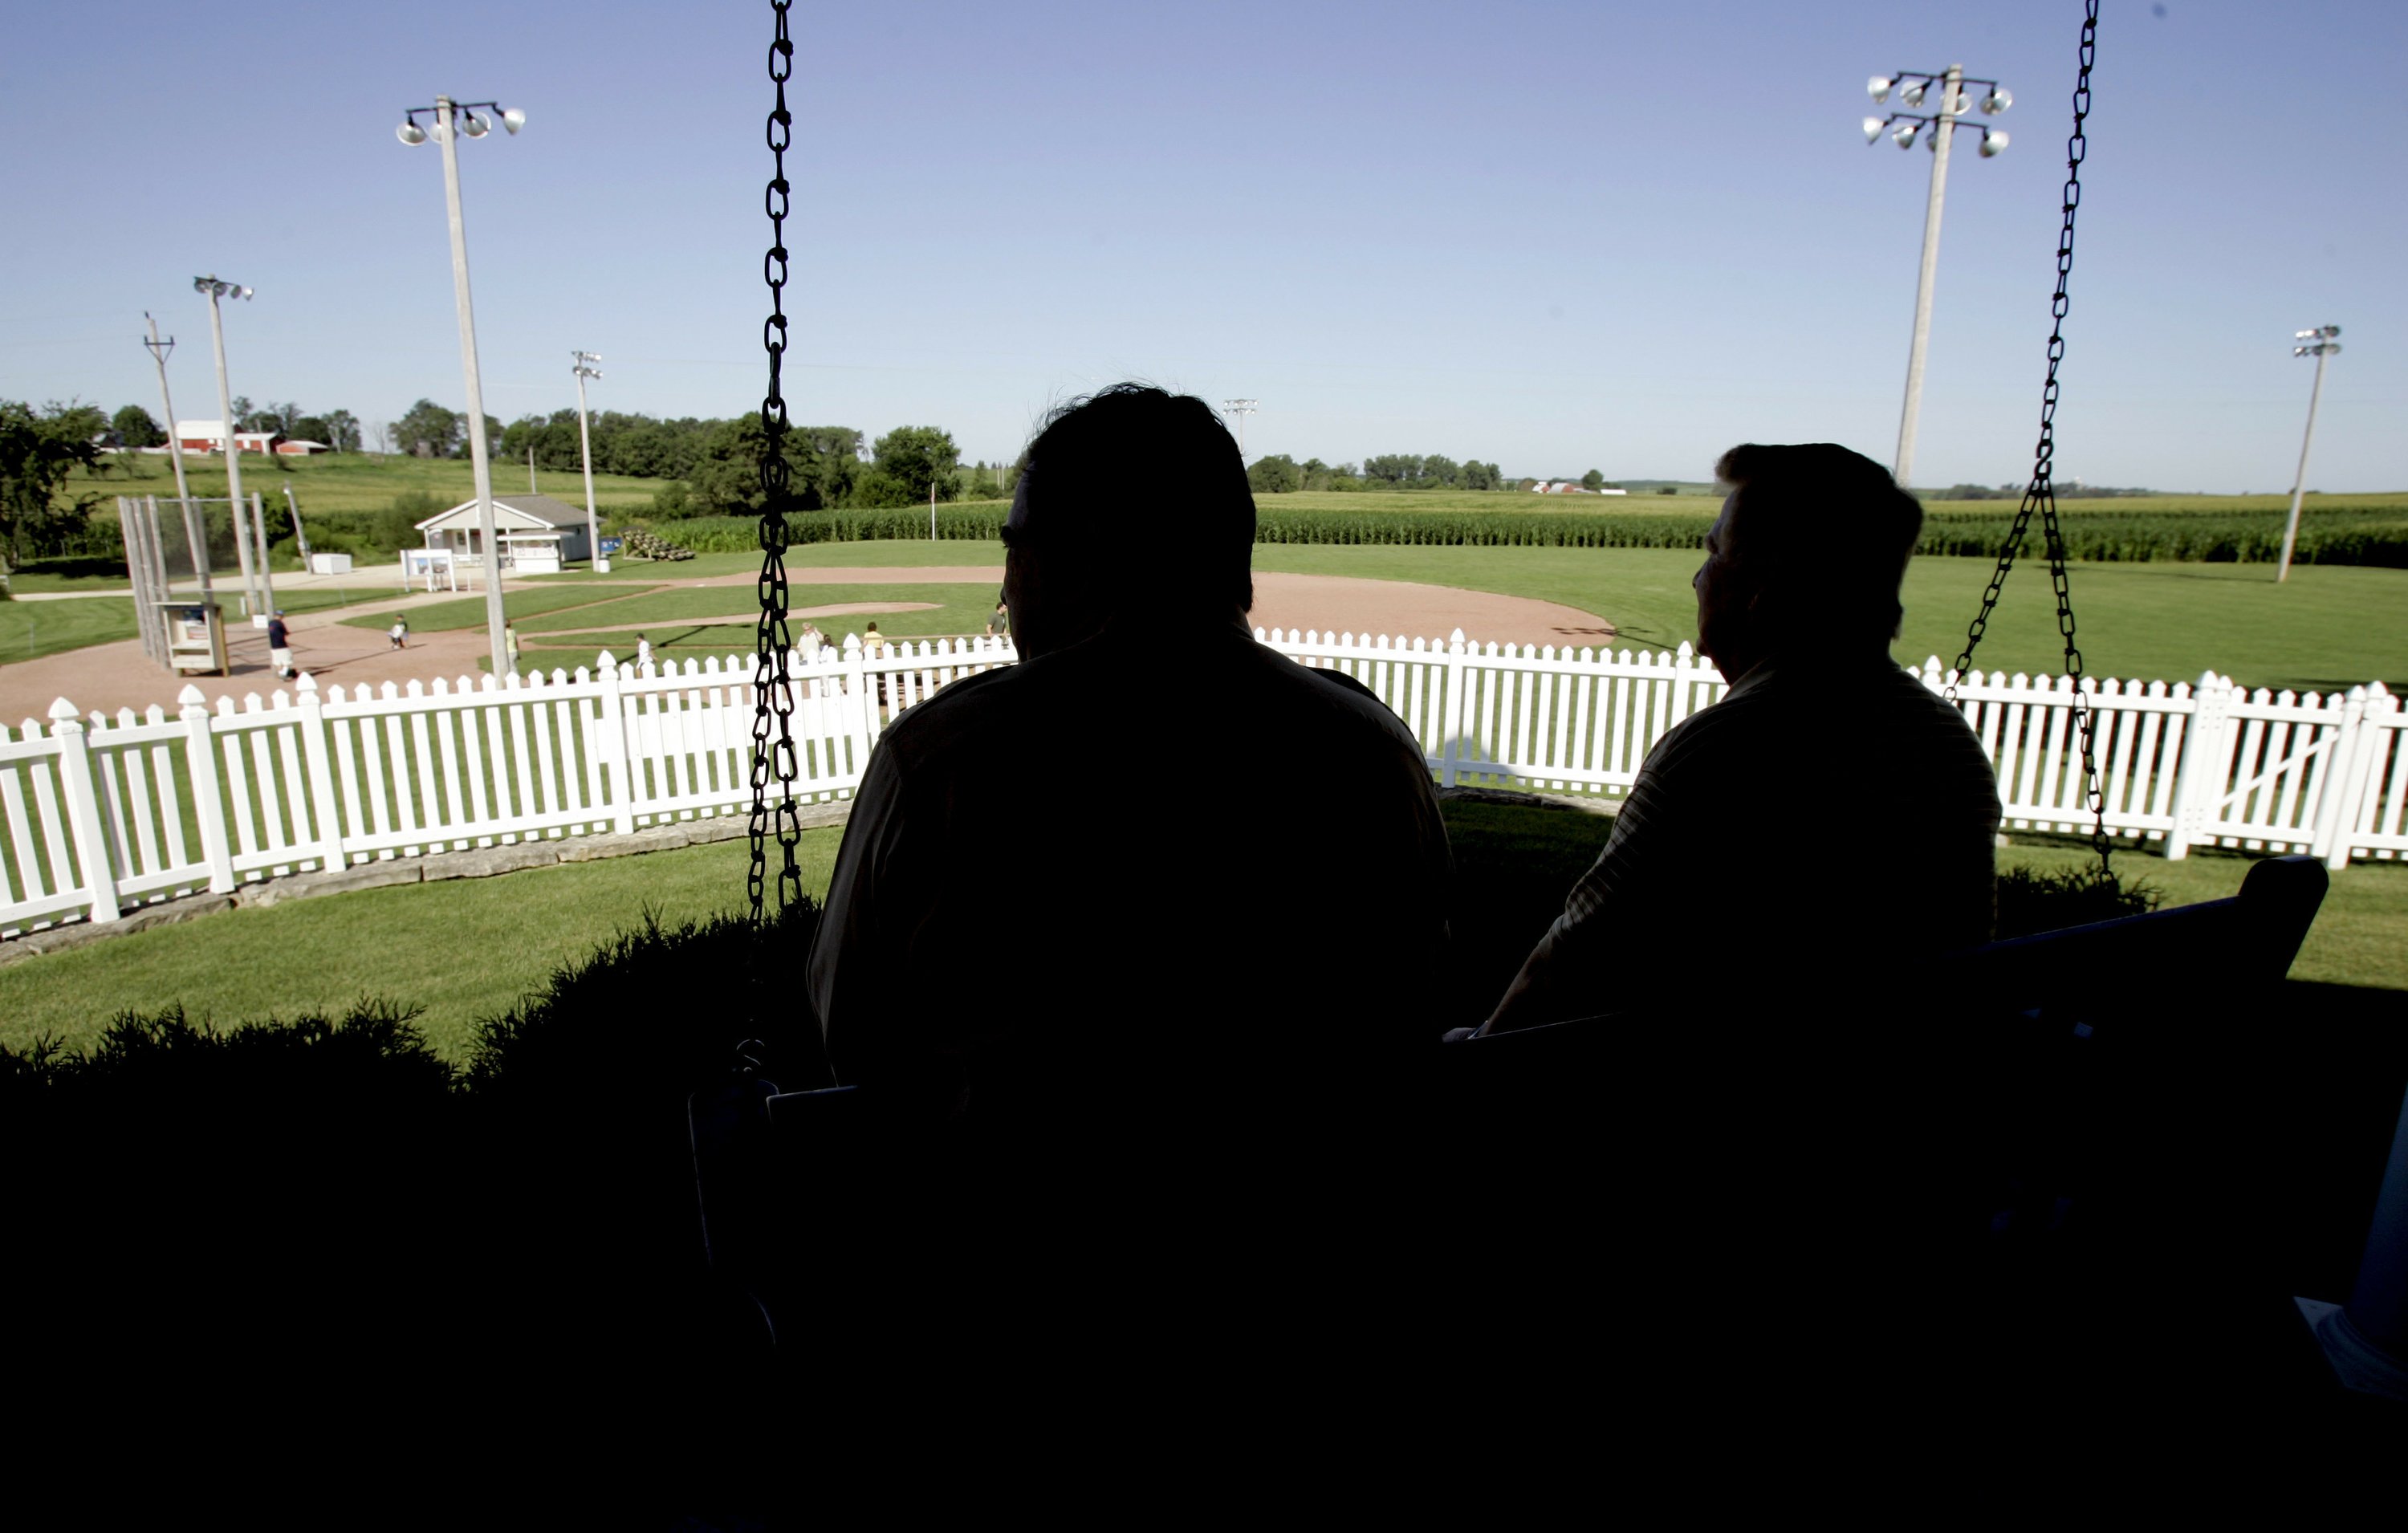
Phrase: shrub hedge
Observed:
(2376, 536)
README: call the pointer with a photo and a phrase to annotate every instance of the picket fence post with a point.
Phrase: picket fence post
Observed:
(1684, 667)
(2198, 782)
(861, 714)
(2332, 785)
(611, 730)
(209, 798)
(2374, 745)
(1453, 744)
(83, 810)
(318, 754)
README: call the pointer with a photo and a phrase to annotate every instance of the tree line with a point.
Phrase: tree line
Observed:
(712, 465)
(1278, 474)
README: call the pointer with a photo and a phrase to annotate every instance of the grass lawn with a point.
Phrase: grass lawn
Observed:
(359, 481)
(953, 608)
(2331, 626)
(29, 629)
(467, 948)
(469, 611)
(464, 948)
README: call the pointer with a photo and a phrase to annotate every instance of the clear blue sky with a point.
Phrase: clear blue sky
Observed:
(1554, 235)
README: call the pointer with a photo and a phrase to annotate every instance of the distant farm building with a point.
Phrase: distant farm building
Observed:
(208, 436)
(1570, 487)
(536, 534)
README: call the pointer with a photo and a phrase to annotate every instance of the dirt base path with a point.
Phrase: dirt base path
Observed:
(108, 677)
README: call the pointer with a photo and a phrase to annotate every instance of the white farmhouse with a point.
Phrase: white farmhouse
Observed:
(537, 535)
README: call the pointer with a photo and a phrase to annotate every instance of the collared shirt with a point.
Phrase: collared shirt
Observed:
(1822, 812)
(1213, 860)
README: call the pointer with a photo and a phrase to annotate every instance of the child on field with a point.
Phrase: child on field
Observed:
(400, 633)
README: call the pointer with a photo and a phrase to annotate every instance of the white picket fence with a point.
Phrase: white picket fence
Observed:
(102, 813)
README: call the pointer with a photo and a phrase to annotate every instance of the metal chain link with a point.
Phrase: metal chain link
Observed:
(2041, 494)
(773, 696)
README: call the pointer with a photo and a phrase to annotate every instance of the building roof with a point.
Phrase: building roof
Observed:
(520, 513)
(187, 431)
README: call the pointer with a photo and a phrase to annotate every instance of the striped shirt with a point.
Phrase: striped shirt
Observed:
(1817, 814)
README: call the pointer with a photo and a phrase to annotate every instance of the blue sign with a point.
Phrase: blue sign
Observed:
(610, 546)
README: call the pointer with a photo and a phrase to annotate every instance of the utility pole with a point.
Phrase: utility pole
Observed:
(2319, 343)
(447, 134)
(194, 532)
(584, 365)
(258, 594)
(531, 485)
(1241, 409)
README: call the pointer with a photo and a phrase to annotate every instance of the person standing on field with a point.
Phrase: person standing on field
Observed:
(511, 645)
(280, 646)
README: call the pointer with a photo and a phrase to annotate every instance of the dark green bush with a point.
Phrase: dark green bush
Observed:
(2031, 899)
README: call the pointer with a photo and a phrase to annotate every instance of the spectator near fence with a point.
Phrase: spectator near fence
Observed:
(1798, 601)
(280, 646)
(1150, 946)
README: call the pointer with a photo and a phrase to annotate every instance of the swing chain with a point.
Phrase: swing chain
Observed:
(773, 645)
(2041, 494)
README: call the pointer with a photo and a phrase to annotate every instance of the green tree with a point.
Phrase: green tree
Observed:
(429, 431)
(1439, 470)
(1593, 481)
(38, 451)
(136, 429)
(342, 430)
(1274, 475)
(919, 458)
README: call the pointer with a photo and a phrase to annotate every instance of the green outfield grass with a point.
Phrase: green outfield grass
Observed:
(954, 609)
(29, 629)
(355, 481)
(2331, 626)
(469, 611)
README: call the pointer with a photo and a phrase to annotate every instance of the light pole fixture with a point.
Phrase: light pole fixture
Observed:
(2319, 343)
(258, 588)
(582, 363)
(1241, 409)
(469, 119)
(1936, 128)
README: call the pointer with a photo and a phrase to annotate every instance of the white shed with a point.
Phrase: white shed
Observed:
(538, 534)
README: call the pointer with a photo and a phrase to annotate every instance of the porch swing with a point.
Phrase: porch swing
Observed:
(2060, 1021)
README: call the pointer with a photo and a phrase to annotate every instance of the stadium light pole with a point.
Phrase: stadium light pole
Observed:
(448, 114)
(194, 533)
(1939, 129)
(258, 589)
(583, 363)
(1241, 409)
(2319, 343)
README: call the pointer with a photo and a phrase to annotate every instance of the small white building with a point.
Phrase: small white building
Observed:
(536, 534)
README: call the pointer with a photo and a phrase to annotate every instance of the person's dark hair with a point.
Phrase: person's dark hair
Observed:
(1827, 532)
(1139, 484)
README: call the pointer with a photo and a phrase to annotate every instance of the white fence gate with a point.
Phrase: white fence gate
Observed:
(100, 813)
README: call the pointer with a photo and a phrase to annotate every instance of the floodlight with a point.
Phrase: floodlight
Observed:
(1992, 142)
(1998, 100)
(1904, 137)
(476, 127)
(512, 121)
(242, 292)
(410, 132)
(1873, 127)
(1879, 86)
(2332, 330)
(2305, 335)
(1913, 95)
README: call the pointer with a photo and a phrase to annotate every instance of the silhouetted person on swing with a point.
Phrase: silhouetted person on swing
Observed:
(1219, 865)
(1828, 813)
